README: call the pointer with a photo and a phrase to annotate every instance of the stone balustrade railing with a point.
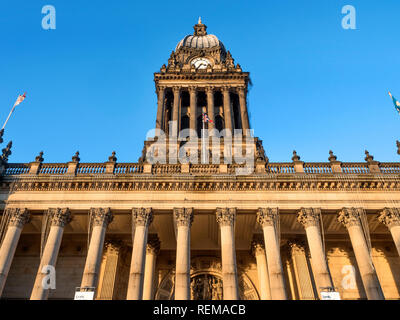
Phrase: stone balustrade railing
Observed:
(81, 169)
(53, 168)
(355, 168)
(128, 168)
(16, 169)
(314, 167)
(280, 168)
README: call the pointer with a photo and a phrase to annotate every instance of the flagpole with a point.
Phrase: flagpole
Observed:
(9, 115)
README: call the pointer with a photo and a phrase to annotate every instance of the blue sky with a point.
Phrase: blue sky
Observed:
(90, 85)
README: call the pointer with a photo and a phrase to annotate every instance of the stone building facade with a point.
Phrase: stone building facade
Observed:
(200, 230)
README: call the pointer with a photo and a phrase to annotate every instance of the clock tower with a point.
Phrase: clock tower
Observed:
(201, 77)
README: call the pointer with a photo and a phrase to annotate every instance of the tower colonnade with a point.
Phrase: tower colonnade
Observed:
(272, 284)
(229, 113)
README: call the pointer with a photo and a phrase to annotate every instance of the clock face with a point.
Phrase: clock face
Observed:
(200, 63)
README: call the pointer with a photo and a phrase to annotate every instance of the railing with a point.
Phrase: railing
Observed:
(355, 167)
(232, 167)
(91, 168)
(280, 168)
(204, 168)
(390, 167)
(53, 168)
(166, 168)
(127, 168)
(317, 167)
(13, 169)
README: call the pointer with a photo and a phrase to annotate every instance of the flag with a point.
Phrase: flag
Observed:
(206, 118)
(20, 99)
(395, 102)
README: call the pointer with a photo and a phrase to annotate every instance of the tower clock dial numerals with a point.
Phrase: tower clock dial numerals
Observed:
(200, 63)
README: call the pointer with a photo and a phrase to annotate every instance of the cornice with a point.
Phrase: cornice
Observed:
(218, 182)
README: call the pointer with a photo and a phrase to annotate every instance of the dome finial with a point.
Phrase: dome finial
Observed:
(200, 29)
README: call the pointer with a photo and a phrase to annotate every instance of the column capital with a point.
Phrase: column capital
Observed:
(226, 216)
(176, 89)
(225, 89)
(192, 89)
(309, 217)
(390, 217)
(257, 247)
(18, 217)
(183, 216)
(267, 216)
(142, 216)
(60, 217)
(296, 247)
(350, 217)
(113, 245)
(101, 216)
(210, 89)
(241, 90)
(160, 88)
(153, 245)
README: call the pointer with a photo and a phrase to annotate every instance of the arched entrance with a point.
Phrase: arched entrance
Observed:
(206, 282)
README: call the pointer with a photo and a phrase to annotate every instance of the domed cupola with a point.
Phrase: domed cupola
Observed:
(200, 40)
(200, 52)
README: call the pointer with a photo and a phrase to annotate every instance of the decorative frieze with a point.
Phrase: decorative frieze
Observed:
(18, 217)
(350, 217)
(183, 216)
(142, 216)
(101, 216)
(60, 217)
(267, 216)
(309, 216)
(226, 216)
(390, 217)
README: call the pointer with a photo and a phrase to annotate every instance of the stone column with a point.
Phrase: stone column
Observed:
(227, 108)
(152, 250)
(160, 106)
(142, 218)
(193, 107)
(390, 217)
(183, 218)
(301, 273)
(310, 219)
(351, 219)
(111, 260)
(101, 218)
(258, 250)
(243, 109)
(59, 217)
(268, 219)
(226, 219)
(18, 218)
(210, 107)
(175, 111)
